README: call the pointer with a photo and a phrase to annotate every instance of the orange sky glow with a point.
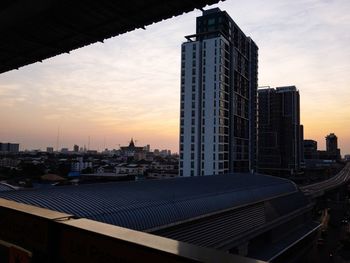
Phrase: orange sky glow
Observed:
(129, 86)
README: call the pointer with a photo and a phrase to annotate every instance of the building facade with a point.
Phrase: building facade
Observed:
(218, 98)
(9, 147)
(332, 146)
(310, 149)
(279, 133)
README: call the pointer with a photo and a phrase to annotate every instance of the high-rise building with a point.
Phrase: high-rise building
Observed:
(219, 67)
(279, 133)
(332, 145)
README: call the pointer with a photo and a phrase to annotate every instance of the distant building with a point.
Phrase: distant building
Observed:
(64, 150)
(9, 147)
(79, 164)
(76, 148)
(131, 150)
(347, 157)
(279, 134)
(301, 146)
(147, 148)
(165, 153)
(49, 149)
(332, 146)
(310, 149)
(7, 162)
(129, 169)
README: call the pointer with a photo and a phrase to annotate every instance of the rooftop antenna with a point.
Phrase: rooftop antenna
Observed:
(89, 143)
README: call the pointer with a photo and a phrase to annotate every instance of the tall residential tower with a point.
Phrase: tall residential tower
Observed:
(219, 67)
(280, 133)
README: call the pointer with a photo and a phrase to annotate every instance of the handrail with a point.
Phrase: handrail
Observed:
(57, 237)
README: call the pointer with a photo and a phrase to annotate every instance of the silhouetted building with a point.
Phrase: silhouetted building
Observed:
(9, 147)
(301, 146)
(76, 148)
(64, 150)
(49, 149)
(218, 98)
(332, 146)
(147, 148)
(279, 134)
(131, 150)
(310, 149)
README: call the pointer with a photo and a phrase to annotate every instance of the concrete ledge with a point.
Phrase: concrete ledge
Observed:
(50, 236)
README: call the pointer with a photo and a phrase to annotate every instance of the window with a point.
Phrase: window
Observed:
(211, 21)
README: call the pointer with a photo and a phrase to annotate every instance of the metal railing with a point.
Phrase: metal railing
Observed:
(33, 234)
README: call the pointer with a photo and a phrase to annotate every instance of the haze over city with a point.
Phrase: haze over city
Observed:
(115, 90)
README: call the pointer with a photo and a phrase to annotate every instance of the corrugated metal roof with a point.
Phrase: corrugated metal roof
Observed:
(144, 205)
(5, 187)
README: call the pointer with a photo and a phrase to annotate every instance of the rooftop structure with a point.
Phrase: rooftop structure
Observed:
(38, 30)
(189, 209)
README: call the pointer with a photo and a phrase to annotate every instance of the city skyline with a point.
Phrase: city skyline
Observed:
(116, 90)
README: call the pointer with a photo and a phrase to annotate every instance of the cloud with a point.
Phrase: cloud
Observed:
(130, 84)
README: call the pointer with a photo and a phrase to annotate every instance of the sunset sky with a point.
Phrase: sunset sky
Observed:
(129, 86)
